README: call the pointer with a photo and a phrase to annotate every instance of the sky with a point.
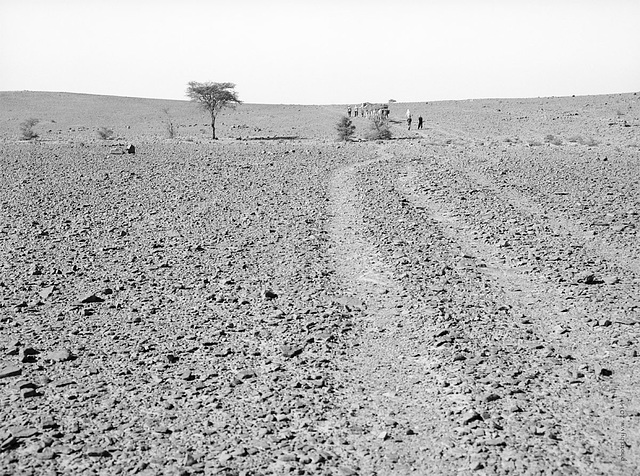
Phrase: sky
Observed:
(322, 51)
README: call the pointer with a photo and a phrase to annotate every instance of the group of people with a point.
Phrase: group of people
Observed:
(409, 120)
(368, 110)
(363, 111)
(355, 111)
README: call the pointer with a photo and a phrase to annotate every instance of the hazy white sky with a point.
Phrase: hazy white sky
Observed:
(322, 51)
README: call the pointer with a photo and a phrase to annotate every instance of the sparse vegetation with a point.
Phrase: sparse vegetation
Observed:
(170, 126)
(589, 142)
(379, 130)
(105, 133)
(345, 129)
(213, 97)
(26, 129)
(232, 274)
(551, 139)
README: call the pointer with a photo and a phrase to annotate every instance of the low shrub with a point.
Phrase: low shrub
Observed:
(26, 129)
(589, 142)
(551, 139)
(170, 126)
(105, 133)
(345, 129)
(379, 130)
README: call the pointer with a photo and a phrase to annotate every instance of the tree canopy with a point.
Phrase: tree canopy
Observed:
(213, 97)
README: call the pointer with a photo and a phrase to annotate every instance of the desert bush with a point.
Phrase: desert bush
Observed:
(26, 129)
(589, 142)
(379, 130)
(105, 133)
(170, 126)
(551, 139)
(345, 129)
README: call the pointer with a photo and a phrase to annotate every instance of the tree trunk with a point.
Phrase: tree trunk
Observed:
(213, 127)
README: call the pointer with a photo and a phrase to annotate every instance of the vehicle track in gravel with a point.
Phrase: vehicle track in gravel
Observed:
(387, 383)
(550, 323)
(384, 381)
(560, 224)
(394, 409)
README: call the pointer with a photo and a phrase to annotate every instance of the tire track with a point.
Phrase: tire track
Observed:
(561, 225)
(389, 381)
(622, 257)
(542, 303)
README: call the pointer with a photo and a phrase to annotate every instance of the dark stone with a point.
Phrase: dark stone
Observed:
(291, 351)
(269, 294)
(470, 417)
(606, 372)
(89, 298)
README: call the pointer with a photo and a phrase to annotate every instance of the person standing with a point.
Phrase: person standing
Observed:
(349, 111)
(419, 122)
(408, 119)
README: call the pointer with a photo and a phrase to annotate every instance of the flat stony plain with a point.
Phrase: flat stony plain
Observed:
(463, 299)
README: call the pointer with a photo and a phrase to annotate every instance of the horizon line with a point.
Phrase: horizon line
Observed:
(329, 104)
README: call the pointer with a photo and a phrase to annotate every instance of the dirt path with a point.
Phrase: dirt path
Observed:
(506, 388)
(390, 379)
(576, 402)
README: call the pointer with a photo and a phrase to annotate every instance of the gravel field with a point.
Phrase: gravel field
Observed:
(463, 299)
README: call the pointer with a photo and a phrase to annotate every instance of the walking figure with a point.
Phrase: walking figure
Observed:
(408, 119)
(419, 122)
(355, 111)
(349, 111)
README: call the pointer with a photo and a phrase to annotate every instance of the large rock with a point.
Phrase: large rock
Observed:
(61, 355)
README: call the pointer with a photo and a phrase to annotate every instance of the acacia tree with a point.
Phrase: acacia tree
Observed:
(213, 97)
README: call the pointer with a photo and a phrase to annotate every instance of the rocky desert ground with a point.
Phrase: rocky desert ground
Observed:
(463, 299)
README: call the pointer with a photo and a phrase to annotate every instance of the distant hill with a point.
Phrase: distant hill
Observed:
(65, 116)
(71, 116)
